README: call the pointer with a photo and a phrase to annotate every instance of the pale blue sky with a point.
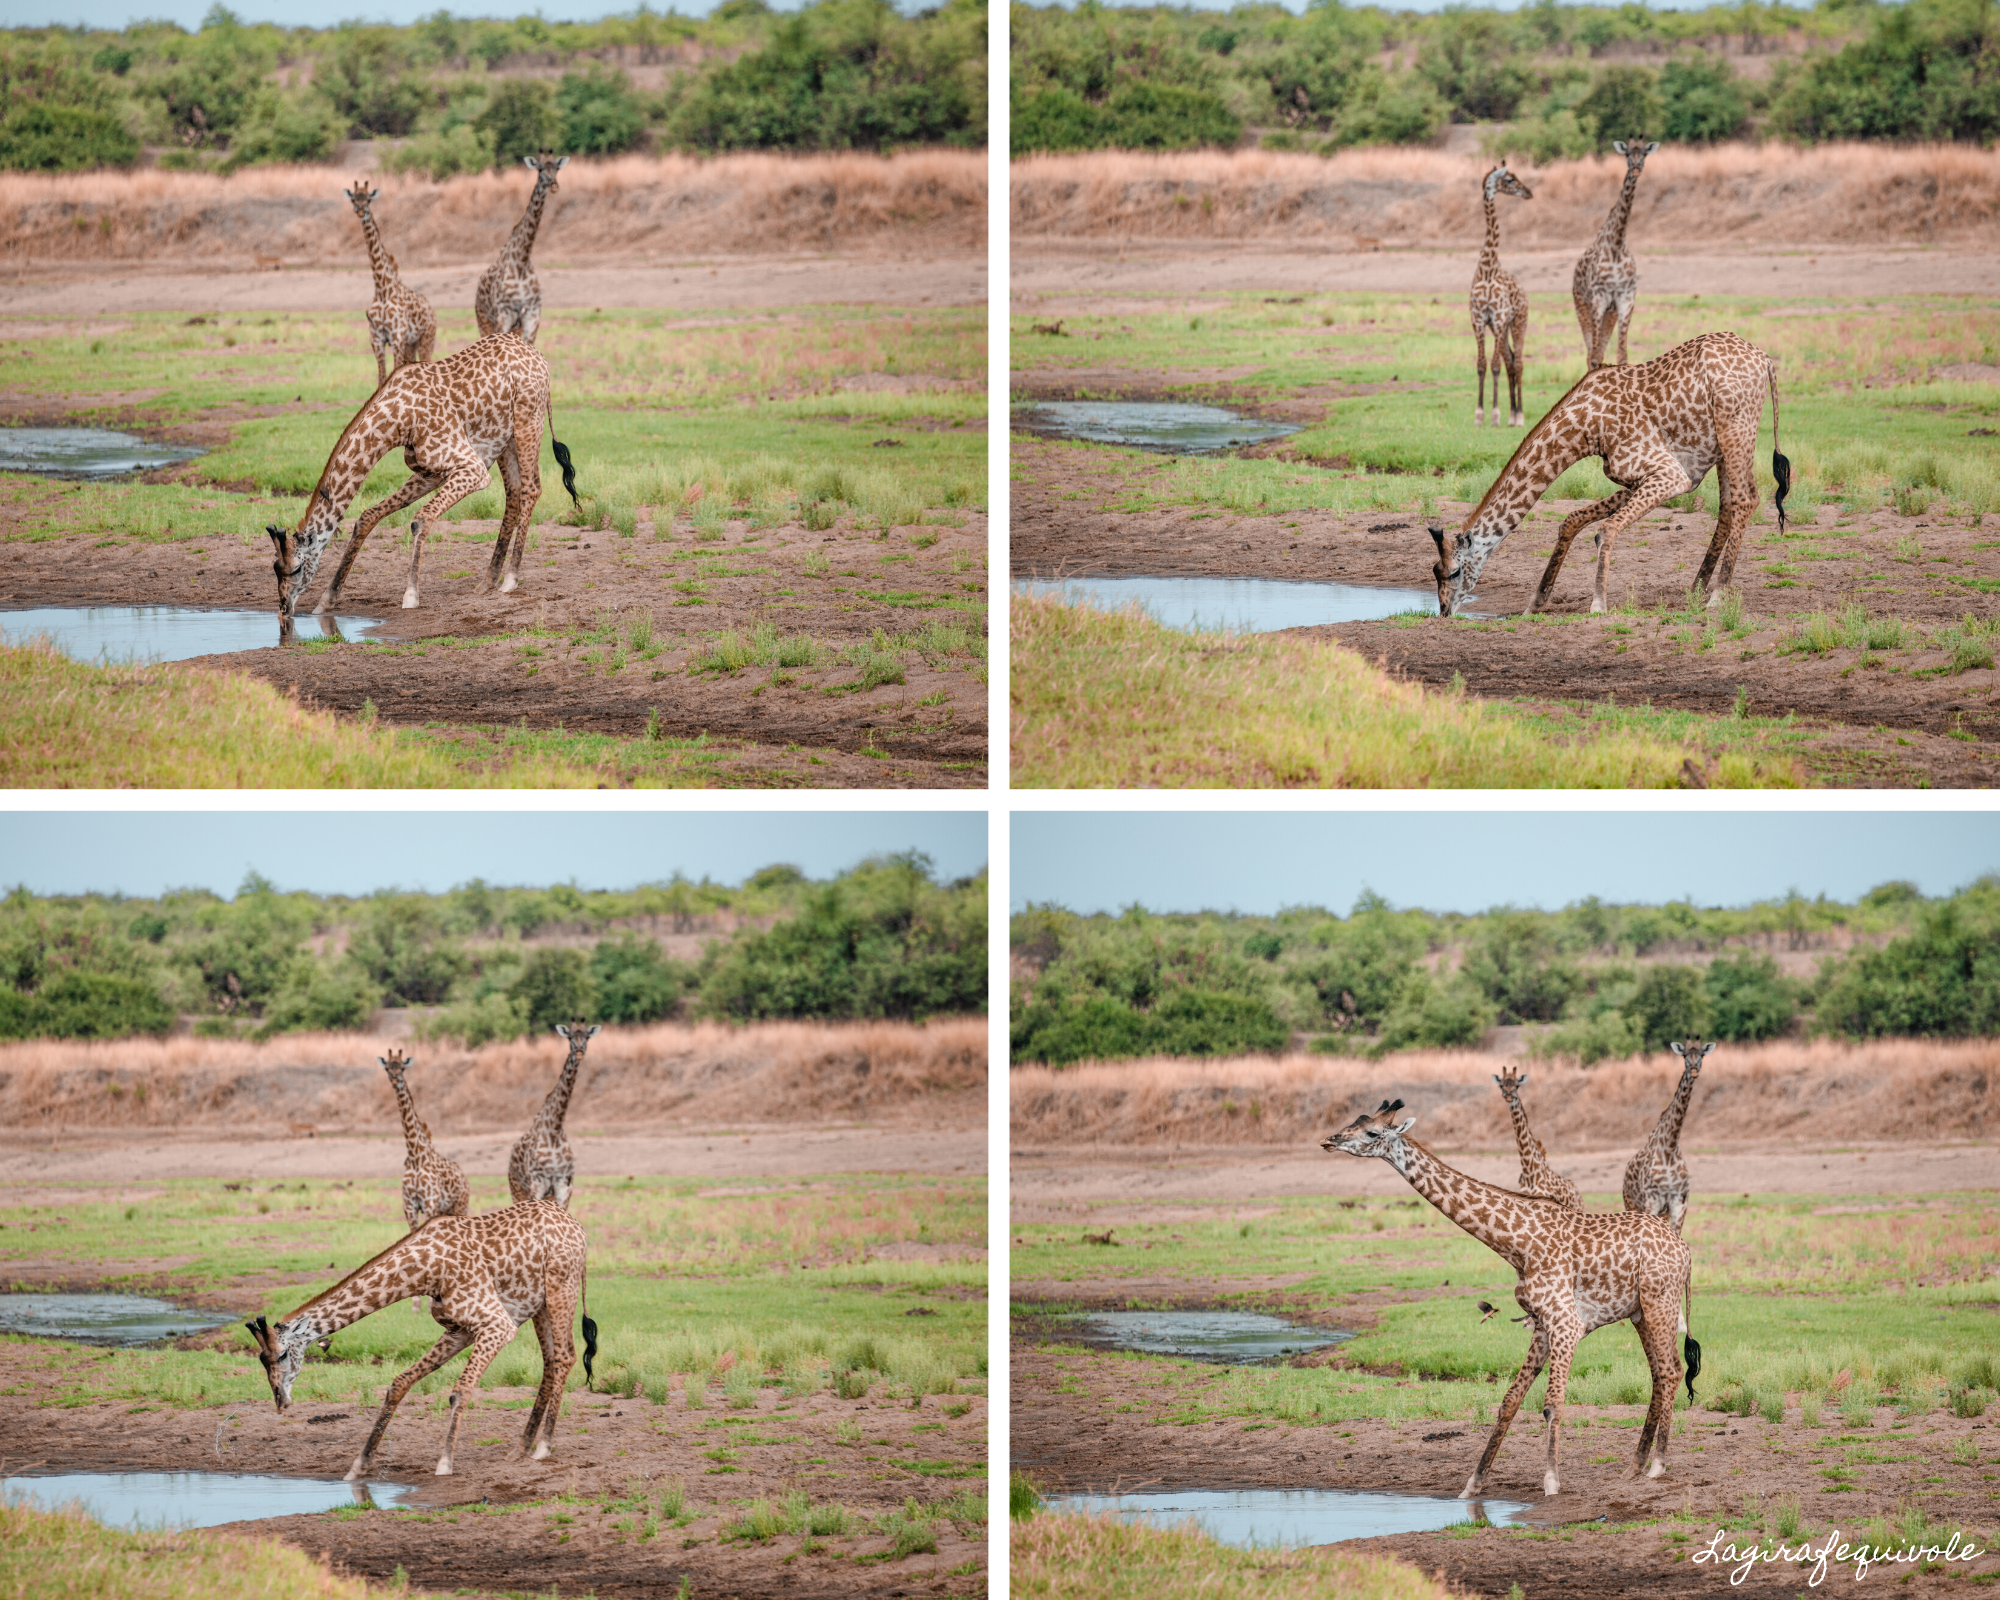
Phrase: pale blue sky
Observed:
(353, 853)
(1470, 858)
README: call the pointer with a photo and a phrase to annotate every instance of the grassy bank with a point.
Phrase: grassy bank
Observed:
(1107, 700)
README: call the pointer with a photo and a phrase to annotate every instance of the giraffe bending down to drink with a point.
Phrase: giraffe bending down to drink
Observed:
(1606, 282)
(1656, 1183)
(1579, 1271)
(542, 1166)
(1498, 306)
(1659, 427)
(433, 1185)
(485, 1276)
(401, 325)
(509, 297)
(1538, 1178)
(453, 419)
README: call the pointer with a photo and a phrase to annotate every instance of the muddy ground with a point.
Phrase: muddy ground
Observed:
(494, 1528)
(1076, 1417)
(808, 730)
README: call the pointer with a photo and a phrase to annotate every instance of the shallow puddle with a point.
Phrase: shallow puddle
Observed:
(162, 633)
(102, 1318)
(191, 1499)
(1237, 1338)
(84, 452)
(1294, 1516)
(1169, 427)
(1245, 605)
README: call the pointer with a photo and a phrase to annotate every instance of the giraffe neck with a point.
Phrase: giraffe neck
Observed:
(1532, 1153)
(1496, 1218)
(396, 1274)
(1552, 447)
(379, 259)
(415, 1134)
(347, 469)
(556, 1107)
(1489, 255)
(1668, 1134)
(522, 239)
(1613, 231)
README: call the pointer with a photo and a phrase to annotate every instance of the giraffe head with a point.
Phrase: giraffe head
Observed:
(395, 1063)
(361, 197)
(299, 550)
(1459, 564)
(1501, 181)
(1511, 1083)
(282, 1349)
(545, 167)
(1634, 153)
(578, 1035)
(1373, 1133)
(1692, 1053)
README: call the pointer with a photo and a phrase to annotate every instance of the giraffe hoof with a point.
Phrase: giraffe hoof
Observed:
(540, 1452)
(1473, 1489)
(1656, 1469)
(355, 1471)
(410, 598)
(509, 584)
(1551, 1485)
(444, 1467)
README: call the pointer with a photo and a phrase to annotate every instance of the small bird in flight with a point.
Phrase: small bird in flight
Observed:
(1487, 1312)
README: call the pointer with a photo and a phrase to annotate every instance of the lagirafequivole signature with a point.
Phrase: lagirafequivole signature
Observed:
(1742, 1560)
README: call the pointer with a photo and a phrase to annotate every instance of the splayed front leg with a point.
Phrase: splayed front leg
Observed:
(1517, 1391)
(450, 1435)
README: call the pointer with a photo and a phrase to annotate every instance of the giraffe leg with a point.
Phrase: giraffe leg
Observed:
(455, 1340)
(1517, 1391)
(1662, 483)
(1572, 525)
(558, 1362)
(493, 1337)
(419, 485)
(1657, 1322)
(1562, 1346)
(524, 489)
(1516, 355)
(1479, 366)
(1624, 323)
(1600, 344)
(466, 478)
(545, 1336)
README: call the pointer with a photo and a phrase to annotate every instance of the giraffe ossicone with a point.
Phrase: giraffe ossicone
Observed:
(1576, 1271)
(484, 1276)
(454, 420)
(1659, 428)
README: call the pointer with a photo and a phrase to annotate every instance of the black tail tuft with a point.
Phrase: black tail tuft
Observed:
(590, 1350)
(569, 470)
(1691, 1351)
(1781, 469)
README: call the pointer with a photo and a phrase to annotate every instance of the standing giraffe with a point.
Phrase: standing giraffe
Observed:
(433, 1185)
(1606, 281)
(1538, 1178)
(1499, 305)
(1656, 1183)
(543, 1167)
(453, 418)
(485, 1276)
(1658, 427)
(401, 323)
(509, 298)
(1578, 1271)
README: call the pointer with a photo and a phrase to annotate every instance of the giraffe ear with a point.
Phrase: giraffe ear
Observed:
(1652, 147)
(1521, 1081)
(595, 1029)
(531, 163)
(563, 1029)
(1405, 1126)
(561, 162)
(1618, 145)
(1674, 1045)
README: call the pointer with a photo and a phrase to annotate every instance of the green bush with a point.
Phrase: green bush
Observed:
(519, 120)
(1670, 1003)
(1942, 980)
(285, 127)
(317, 999)
(443, 154)
(1514, 960)
(1748, 999)
(555, 985)
(1621, 104)
(476, 1021)
(634, 980)
(1188, 1022)
(1470, 62)
(1701, 101)
(1435, 1014)
(1137, 116)
(84, 1005)
(365, 78)
(401, 944)
(599, 113)
(1927, 70)
(57, 138)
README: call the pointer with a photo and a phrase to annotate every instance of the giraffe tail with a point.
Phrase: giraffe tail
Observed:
(1781, 466)
(589, 1334)
(562, 456)
(1690, 1350)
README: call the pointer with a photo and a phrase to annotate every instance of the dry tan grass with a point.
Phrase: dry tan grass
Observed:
(1742, 194)
(633, 1078)
(1902, 1089)
(623, 207)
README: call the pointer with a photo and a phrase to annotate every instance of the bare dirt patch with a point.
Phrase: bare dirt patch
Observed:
(492, 1524)
(1073, 1431)
(466, 661)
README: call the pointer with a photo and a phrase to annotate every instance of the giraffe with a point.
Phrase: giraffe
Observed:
(1659, 427)
(1606, 281)
(1538, 1178)
(453, 418)
(433, 1185)
(1656, 1183)
(485, 1276)
(1499, 305)
(1579, 1271)
(509, 297)
(542, 1166)
(400, 321)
